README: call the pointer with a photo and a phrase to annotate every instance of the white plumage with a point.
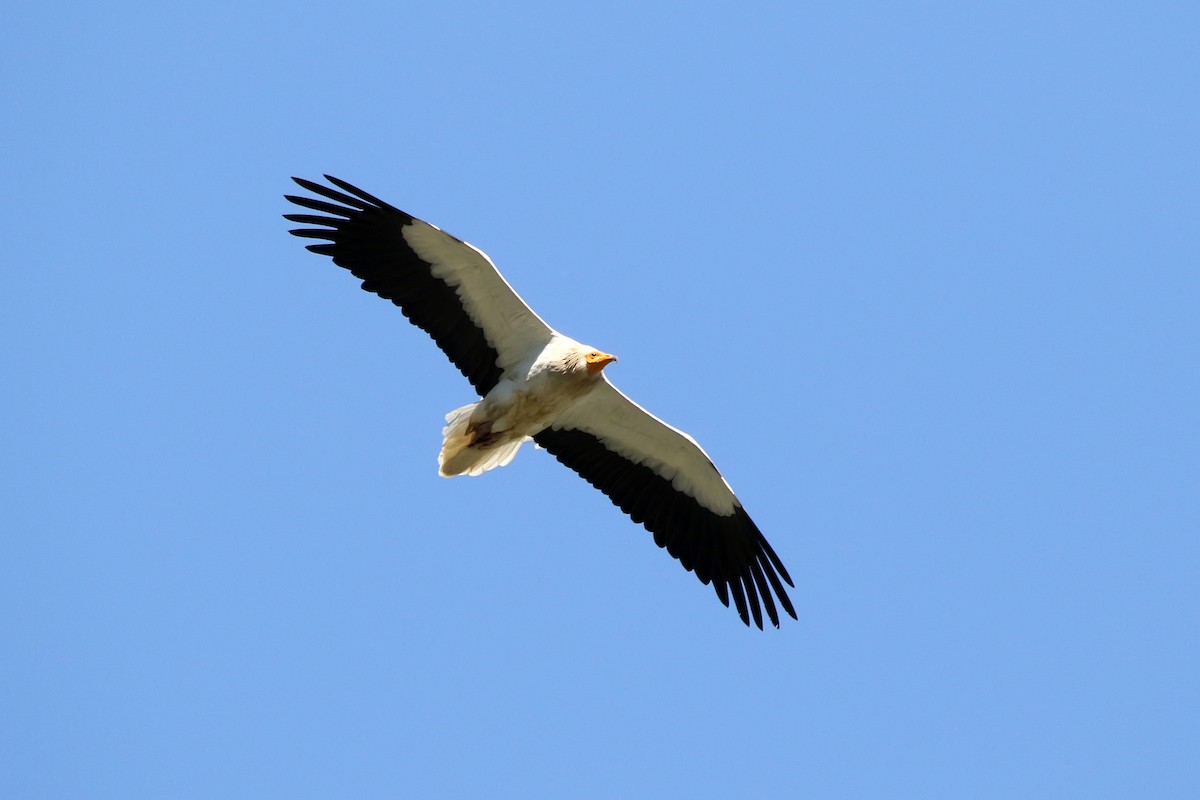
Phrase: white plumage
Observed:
(530, 396)
(537, 384)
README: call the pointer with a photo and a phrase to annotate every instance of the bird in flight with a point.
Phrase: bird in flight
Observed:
(537, 384)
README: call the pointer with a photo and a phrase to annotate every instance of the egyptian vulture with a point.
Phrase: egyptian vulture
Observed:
(536, 383)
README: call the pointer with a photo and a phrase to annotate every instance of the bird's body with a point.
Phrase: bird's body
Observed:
(527, 400)
(535, 383)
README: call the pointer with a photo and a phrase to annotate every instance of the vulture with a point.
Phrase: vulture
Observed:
(536, 384)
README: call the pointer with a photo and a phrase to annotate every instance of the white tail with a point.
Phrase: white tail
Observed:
(458, 456)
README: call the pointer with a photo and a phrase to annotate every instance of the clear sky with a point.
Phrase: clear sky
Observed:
(923, 278)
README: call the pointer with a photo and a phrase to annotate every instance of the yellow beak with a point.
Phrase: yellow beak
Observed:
(598, 361)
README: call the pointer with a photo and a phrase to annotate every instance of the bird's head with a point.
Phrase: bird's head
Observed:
(595, 361)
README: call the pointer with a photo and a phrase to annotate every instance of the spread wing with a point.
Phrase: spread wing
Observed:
(660, 477)
(445, 286)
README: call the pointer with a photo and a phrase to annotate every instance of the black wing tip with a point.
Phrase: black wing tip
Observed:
(721, 589)
(757, 580)
(313, 185)
(354, 196)
(305, 183)
(753, 592)
(739, 600)
(754, 589)
(343, 185)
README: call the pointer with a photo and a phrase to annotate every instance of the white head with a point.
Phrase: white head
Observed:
(582, 360)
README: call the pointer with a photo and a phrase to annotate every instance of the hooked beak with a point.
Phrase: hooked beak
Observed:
(597, 362)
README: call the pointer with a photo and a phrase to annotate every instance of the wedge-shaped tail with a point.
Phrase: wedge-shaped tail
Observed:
(460, 457)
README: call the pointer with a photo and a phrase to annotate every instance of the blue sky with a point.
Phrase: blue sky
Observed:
(922, 278)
